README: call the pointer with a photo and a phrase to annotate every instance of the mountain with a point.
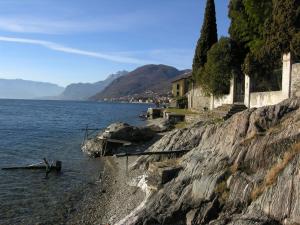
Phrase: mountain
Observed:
(26, 89)
(82, 91)
(148, 78)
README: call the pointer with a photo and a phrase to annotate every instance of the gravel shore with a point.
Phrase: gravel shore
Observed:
(111, 198)
(114, 195)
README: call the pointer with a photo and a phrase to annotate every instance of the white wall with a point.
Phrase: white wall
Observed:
(197, 100)
(259, 99)
(225, 99)
(290, 86)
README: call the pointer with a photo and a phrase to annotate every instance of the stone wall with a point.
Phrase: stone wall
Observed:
(295, 80)
(197, 100)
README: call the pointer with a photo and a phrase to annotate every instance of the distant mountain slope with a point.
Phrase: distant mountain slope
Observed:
(156, 78)
(26, 89)
(82, 91)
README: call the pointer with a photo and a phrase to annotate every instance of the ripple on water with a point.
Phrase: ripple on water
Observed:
(31, 130)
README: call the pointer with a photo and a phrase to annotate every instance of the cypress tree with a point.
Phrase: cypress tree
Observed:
(283, 27)
(247, 22)
(209, 36)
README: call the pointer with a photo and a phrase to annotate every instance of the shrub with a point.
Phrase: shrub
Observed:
(218, 71)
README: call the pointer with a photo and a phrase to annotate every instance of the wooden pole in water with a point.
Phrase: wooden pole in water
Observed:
(87, 132)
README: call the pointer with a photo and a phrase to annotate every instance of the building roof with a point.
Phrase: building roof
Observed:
(184, 76)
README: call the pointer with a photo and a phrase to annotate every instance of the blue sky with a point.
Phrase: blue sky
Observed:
(67, 41)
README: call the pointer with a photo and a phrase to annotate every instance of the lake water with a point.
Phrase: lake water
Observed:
(31, 130)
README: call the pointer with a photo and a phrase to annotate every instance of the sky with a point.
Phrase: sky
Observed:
(71, 41)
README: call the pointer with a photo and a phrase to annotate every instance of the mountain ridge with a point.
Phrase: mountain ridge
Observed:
(148, 78)
(27, 89)
(82, 91)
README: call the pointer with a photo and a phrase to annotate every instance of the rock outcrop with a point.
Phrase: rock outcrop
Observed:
(118, 131)
(243, 171)
(160, 125)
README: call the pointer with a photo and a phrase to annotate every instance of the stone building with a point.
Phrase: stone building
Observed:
(180, 86)
(240, 91)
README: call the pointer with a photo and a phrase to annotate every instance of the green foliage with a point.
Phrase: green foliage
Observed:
(247, 21)
(216, 75)
(264, 30)
(284, 25)
(295, 46)
(208, 37)
(247, 30)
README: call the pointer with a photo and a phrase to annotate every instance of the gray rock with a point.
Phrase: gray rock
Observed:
(118, 131)
(160, 125)
(126, 132)
(228, 161)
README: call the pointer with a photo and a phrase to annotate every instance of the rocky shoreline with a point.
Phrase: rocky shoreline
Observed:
(242, 171)
(115, 194)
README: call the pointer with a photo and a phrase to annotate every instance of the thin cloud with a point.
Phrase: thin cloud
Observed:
(63, 25)
(61, 48)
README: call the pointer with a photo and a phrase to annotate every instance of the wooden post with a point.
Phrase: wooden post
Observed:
(87, 132)
(105, 146)
(126, 163)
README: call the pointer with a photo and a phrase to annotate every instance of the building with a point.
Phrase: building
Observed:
(180, 86)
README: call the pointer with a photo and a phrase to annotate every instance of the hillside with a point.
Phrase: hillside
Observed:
(26, 89)
(153, 78)
(82, 91)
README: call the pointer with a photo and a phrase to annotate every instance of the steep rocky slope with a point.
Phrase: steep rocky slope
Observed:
(243, 171)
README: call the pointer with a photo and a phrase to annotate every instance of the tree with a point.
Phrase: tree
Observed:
(295, 46)
(219, 68)
(283, 28)
(264, 30)
(247, 22)
(209, 36)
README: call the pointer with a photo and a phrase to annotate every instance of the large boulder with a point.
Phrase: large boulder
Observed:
(122, 132)
(160, 125)
(126, 132)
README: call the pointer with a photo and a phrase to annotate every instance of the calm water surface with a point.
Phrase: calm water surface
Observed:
(31, 130)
